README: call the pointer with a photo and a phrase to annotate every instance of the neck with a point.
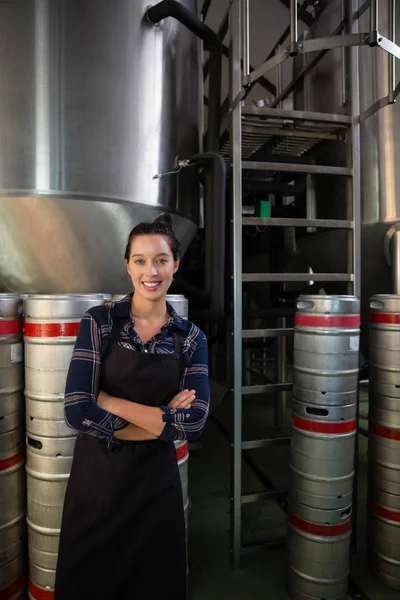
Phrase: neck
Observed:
(147, 309)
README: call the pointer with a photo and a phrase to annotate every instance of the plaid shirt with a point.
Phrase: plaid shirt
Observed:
(82, 387)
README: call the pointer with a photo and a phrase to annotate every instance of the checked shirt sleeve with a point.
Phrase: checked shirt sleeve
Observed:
(80, 409)
(188, 424)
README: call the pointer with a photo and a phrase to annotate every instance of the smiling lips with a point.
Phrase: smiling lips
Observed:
(151, 286)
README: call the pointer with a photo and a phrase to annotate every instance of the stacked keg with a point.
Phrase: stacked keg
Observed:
(12, 450)
(384, 440)
(51, 327)
(325, 384)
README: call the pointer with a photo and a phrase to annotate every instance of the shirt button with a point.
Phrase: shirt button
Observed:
(187, 415)
(146, 351)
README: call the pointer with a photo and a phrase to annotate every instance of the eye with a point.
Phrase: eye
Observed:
(163, 260)
(139, 261)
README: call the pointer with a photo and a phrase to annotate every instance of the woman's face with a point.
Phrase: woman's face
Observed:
(151, 266)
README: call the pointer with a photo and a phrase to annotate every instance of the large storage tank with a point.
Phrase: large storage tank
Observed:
(94, 101)
(380, 155)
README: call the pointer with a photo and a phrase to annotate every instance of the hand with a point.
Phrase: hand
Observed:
(103, 400)
(183, 399)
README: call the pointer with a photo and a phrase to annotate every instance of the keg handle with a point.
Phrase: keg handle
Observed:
(304, 304)
(321, 412)
(34, 443)
(345, 514)
(374, 305)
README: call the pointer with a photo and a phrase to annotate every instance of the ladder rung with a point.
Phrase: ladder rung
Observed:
(252, 165)
(257, 496)
(269, 388)
(265, 333)
(272, 441)
(275, 222)
(260, 277)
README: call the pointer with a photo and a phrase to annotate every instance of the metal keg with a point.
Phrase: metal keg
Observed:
(384, 345)
(318, 553)
(322, 455)
(12, 580)
(48, 467)
(51, 327)
(12, 449)
(384, 537)
(326, 345)
(384, 457)
(182, 456)
(41, 583)
(180, 304)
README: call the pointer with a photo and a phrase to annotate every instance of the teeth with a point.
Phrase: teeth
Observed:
(151, 284)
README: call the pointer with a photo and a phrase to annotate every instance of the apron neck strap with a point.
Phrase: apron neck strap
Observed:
(118, 323)
(177, 343)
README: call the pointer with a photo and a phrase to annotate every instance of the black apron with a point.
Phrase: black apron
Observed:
(123, 529)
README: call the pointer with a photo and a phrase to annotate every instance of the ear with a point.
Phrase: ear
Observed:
(177, 265)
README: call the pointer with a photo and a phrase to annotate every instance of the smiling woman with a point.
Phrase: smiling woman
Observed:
(138, 380)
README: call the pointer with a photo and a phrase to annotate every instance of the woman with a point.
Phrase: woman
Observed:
(138, 380)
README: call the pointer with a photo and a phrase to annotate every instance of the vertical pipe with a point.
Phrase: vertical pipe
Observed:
(293, 24)
(354, 196)
(395, 261)
(311, 200)
(246, 37)
(391, 60)
(236, 187)
(279, 79)
(280, 375)
(373, 15)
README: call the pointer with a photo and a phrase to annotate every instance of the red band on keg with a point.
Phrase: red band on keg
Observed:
(391, 515)
(389, 434)
(7, 463)
(182, 451)
(384, 318)
(321, 530)
(10, 326)
(324, 426)
(339, 321)
(39, 593)
(13, 588)
(47, 330)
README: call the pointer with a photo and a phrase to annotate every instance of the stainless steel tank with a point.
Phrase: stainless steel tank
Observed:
(380, 155)
(95, 100)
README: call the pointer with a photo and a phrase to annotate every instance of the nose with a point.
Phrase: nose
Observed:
(153, 271)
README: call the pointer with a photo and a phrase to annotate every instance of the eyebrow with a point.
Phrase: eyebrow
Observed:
(160, 254)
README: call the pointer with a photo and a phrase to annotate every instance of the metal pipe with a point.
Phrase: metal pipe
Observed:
(245, 38)
(280, 376)
(373, 15)
(293, 25)
(235, 29)
(311, 201)
(215, 227)
(391, 61)
(171, 8)
(395, 261)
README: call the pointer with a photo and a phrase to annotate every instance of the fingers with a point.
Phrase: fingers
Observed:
(183, 399)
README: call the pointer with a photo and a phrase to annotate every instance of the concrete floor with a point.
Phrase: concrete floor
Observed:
(261, 576)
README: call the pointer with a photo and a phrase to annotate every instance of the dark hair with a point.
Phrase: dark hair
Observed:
(155, 228)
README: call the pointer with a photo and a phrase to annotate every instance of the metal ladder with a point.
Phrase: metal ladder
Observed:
(250, 129)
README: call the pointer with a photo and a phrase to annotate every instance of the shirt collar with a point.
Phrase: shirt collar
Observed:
(122, 308)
